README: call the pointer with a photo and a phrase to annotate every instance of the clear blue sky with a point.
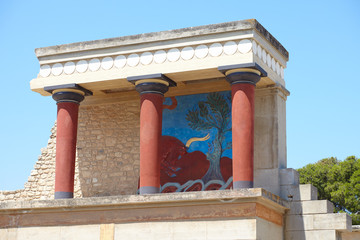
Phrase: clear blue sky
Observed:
(322, 37)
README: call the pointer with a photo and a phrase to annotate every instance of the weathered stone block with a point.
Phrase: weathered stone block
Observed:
(270, 133)
(311, 207)
(9, 234)
(311, 235)
(268, 230)
(202, 229)
(39, 233)
(308, 192)
(317, 206)
(290, 192)
(337, 221)
(329, 221)
(267, 179)
(234, 229)
(88, 232)
(302, 192)
(299, 222)
(289, 176)
(354, 235)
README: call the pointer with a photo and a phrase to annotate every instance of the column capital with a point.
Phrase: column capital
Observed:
(243, 73)
(68, 93)
(153, 83)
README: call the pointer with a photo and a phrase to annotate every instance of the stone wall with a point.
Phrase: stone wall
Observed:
(40, 184)
(107, 160)
(269, 138)
(108, 149)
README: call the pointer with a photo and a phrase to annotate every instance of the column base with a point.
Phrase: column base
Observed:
(149, 190)
(61, 195)
(243, 184)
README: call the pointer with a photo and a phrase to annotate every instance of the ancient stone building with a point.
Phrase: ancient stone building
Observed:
(178, 134)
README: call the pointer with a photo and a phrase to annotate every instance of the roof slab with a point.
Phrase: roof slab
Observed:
(189, 56)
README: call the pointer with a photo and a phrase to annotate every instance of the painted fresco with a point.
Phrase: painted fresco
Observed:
(196, 143)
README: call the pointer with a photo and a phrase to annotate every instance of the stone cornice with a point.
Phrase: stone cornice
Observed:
(275, 43)
(206, 205)
(163, 35)
(225, 196)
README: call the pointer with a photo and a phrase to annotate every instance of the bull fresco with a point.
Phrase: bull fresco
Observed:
(196, 143)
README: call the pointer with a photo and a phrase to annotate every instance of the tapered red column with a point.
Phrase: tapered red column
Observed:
(243, 134)
(150, 133)
(242, 92)
(243, 81)
(68, 101)
(151, 89)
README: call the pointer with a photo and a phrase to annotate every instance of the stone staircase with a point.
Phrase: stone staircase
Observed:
(308, 217)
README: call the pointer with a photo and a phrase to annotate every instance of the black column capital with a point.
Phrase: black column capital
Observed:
(68, 93)
(243, 73)
(153, 83)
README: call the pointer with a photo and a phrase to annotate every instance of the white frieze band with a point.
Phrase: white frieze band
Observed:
(161, 56)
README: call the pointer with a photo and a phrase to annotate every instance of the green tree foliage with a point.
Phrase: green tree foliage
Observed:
(336, 181)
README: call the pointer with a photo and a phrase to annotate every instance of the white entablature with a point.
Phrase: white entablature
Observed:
(184, 55)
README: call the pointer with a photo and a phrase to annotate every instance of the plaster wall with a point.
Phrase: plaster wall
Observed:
(270, 128)
(256, 228)
(90, 232)
(270, 138)
(245, 228)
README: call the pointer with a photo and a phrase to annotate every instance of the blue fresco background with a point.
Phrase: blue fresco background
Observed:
(176, 125)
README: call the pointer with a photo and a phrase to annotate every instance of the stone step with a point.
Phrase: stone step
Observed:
(329, 221)
(308, 192)
(302, 192)
(313, 235)
(311, 207)
(289, 176)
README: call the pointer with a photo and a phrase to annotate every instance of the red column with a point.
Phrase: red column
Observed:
(67, 121)
(151, 88)
(243, 81)
(150, 133)
(243, 134)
